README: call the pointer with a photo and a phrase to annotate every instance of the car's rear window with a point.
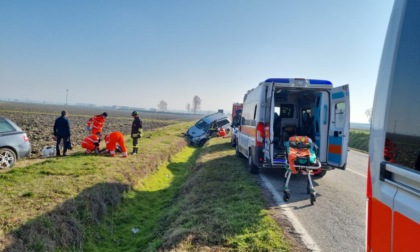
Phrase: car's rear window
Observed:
(6, 127)
(223, 122)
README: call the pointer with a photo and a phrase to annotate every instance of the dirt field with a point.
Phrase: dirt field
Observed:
(37, 121)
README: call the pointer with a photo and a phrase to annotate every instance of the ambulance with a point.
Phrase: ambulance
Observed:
(279, 108)
(393, 178)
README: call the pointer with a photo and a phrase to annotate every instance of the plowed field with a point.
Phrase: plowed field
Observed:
(37, 121)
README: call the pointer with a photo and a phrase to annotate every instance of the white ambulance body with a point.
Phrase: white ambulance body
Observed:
(393, 184)
(281, 107)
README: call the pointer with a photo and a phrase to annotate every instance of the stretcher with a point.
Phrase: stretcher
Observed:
(301, 158)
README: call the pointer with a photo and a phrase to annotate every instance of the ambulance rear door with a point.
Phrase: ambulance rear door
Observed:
(338, 133)
(268, 123)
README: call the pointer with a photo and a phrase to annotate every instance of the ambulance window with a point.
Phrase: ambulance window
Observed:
(339, 118)
(253, 121)
(402, 145)
(247, 113)
(286, 110)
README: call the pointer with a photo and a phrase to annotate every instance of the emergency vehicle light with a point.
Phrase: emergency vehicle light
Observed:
(278, 80)
(320, 82)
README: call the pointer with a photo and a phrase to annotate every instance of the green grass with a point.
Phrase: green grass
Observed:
(142, 209)
(75, 192)
(173, 201)
(359, 139)
(221, 206)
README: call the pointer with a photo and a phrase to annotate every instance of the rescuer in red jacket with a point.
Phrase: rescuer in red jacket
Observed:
(112, 139)
(91, 143)
(96, 123)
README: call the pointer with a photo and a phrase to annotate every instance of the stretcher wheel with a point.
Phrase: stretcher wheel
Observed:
(286, 195)
(313, 198)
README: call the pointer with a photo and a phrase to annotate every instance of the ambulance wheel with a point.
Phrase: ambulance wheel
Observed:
(286, 195)
(238, 153)
(321, 173)
(251, 167)
(313, 198)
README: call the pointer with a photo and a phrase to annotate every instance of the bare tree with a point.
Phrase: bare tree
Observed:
(196, 104)
(163, 106)
(188, 107)
(368, 114)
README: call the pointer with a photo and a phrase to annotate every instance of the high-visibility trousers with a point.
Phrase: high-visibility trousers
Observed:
(114, 139)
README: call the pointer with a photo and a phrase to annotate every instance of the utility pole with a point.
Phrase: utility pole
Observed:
(67, 94)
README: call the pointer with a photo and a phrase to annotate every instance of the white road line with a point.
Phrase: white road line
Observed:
(306, 238)
(355, 172)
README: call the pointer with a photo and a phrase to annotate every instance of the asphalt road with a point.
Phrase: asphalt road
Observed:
(336, 222)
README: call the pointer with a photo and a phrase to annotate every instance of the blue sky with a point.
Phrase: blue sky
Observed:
(136, 53)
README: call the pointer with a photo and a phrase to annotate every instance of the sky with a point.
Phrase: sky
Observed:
(139, 52)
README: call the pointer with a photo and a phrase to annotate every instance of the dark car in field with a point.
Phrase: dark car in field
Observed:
(14, 143)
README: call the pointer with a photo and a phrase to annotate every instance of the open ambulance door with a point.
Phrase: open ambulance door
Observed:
(338, 133)
(268, 123)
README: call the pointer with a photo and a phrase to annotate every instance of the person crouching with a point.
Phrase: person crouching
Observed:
(111, 140)
(91, 143)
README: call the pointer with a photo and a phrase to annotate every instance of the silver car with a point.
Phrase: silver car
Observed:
(14, 143)
(200, 132)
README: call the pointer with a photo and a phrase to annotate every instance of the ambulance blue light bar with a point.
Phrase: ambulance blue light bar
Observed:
(320, 82)
(278, 80)
(287, 80)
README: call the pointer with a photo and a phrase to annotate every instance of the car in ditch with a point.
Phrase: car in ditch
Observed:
(14, 143)
(201, 132)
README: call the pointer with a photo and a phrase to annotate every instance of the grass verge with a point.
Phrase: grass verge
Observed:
(221, 208)
(48, 205)
(359, 139)
(151, 202)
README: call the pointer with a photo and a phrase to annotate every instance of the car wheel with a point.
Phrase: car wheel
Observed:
(202, 142)
(251, 167)
(7, 158)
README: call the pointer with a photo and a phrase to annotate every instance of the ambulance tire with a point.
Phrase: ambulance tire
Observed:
(321, 173)
(251, 167)
(233, 142)
(238, 153)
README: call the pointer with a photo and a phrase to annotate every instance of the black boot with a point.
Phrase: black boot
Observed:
(134, 151)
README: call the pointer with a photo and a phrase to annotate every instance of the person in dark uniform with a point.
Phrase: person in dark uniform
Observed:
(136, 131)
(61, 132)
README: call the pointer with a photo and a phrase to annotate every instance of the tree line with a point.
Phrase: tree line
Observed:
(194, 107)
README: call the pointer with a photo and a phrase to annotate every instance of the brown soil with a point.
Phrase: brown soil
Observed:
(37, 120)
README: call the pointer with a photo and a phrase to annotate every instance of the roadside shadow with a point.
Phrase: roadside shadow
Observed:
(63, 226)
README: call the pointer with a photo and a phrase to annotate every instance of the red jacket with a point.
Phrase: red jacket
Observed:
(96, 123)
